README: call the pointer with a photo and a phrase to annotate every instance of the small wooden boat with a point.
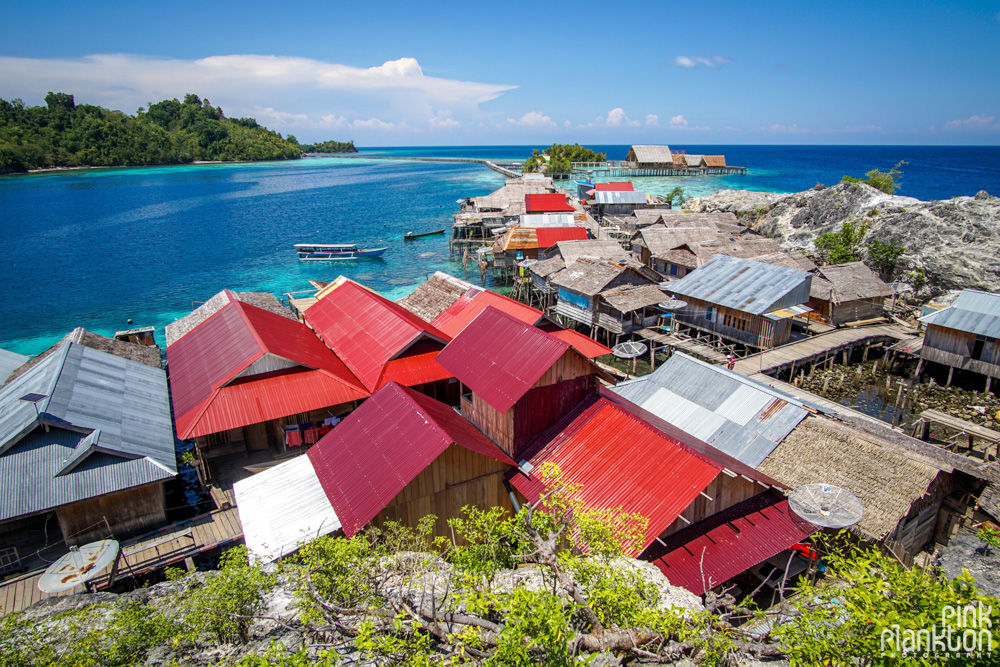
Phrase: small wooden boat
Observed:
(409, 236)
(330, 251)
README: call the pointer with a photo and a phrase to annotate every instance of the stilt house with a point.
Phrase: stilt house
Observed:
(965, 336)
(400, 456)
(848, 292)
(580, 283)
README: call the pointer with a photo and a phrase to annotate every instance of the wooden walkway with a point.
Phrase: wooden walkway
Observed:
(922, 429)
(682, 343)
(819, 349)
(170, 545)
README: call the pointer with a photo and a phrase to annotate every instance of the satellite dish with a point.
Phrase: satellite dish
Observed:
(629, 349)
(80, 565)
(671, 304)
(826, 505)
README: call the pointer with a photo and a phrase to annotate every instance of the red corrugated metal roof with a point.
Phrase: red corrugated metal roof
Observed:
(370, 457)
(615, 186)
(213, 354)
(366, 330)
(500, 357)
(585, 345)
(620, 461)
(458, 316)
(732, 541)
(549, 236)
(413, 370)
(547, 203)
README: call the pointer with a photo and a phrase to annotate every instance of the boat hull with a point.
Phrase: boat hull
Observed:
(409, 236)
(333, 255)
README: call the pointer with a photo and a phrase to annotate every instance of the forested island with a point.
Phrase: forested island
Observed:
(66, 134)
(557, 158)
(330, 147)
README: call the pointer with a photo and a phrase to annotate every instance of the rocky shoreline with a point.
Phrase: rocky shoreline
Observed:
(955, 244)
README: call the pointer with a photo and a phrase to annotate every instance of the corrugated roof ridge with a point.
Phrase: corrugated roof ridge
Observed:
(60, 365)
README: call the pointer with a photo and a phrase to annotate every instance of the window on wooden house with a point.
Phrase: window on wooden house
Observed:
(981, 346)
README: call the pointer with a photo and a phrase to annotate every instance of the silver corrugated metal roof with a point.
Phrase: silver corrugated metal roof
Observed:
(109, 430)
(736, 415)
(9, 361)
(536, 220)
(973, 311)
(619, 197)
(744, 284)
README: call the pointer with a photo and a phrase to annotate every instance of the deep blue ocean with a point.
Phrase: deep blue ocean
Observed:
(97, 247)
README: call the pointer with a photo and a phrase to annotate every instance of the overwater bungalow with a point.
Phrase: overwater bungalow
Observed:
(965, 336)
(520, 243)
(650, 157)
(580, 282)
(850, 292)
(742, 301)
(86, 446)
(623, 310)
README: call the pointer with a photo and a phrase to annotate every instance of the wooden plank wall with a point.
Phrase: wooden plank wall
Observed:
(129, 513)
(545, 405)
(497, 427)
(725, 492)
(457, 478)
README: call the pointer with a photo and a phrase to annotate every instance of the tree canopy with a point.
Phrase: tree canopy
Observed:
(329, 147)
(886, 181)
(557, 158)
(66, 134)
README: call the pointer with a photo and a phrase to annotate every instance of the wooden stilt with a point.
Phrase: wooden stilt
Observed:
(951, 372)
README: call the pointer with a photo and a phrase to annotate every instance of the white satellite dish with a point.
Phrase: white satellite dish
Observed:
(79, 566)
(672, 304)
(629, 349)
(826, 505)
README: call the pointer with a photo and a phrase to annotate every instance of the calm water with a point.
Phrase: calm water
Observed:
(95, 248)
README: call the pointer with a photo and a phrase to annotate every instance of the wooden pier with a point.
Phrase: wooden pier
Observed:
(922, 430)
(171, 545)
(820, 349)
(695, 346)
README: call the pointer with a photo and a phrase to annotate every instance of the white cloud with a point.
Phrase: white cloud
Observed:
(617, 118)
(778, 128)
(443, 120)
(678, 121)
(568, 124)
(852, 129)
(313, 93)
(689, 62)
(532, 119)
(977, 123)
(652, 119)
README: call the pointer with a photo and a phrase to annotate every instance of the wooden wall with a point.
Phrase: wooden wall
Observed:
(760, 331)
(848, 311)
(497, 427)
(129, 513)
(725, 491)
(952, 347)
(545, 405)
(457, 478)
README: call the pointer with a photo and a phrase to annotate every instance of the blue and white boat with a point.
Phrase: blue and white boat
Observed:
(328, 251)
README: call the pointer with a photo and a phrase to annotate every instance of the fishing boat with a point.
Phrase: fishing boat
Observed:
(328, 251)
(409, 236)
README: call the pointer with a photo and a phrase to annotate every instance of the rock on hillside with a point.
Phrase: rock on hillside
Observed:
(955, 242)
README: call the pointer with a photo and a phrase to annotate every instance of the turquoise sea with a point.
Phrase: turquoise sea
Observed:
(98, 247)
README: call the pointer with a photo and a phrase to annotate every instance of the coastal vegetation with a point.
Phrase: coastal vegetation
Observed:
(557, 158)
(328, 147)
(66, 134)
(886, 181)
(546, 586)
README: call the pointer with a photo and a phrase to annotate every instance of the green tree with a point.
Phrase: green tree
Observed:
(886, 181)
(844, 245)
(883, 256)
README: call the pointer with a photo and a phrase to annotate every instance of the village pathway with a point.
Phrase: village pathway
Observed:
(819, 348)
(169, 546)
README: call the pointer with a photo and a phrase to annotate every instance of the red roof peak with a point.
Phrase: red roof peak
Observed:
(370, 457)
(551, 202)
(615, 186)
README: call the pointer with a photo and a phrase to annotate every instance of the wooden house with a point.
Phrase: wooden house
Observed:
(623, 310)
(400, 456)
(651, 157)
(616, 455)
(579, 283)
(86, 440)
(653, 244)
(965, 336)
(246, 381)
(516, 380)
(520, 243)
(617, 202)
(714, 160)
(848, 292)
(741, 300)
(685, 258)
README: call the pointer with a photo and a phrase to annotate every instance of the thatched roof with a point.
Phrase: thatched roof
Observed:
(434, 295)
(264, 300)
(510, 197)
(650, 154)
(696, 253)
(852, 281)
(989, 500)
(791, 259)
(661, 240)
(882, 475)
(715, 160)
(570, 251)
(692, 160)
(627, 299)
(144, 354)
(681, 219)
(591, 276)
(547, 267)
(517, 238)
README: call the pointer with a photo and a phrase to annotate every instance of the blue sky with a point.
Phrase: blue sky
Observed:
(444, 73)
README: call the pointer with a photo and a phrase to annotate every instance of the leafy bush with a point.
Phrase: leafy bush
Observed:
(883, 256)
(886, 181)
(227, 602)
(842, 246)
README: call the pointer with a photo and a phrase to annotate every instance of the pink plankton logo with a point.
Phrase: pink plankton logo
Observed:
(963, 632)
